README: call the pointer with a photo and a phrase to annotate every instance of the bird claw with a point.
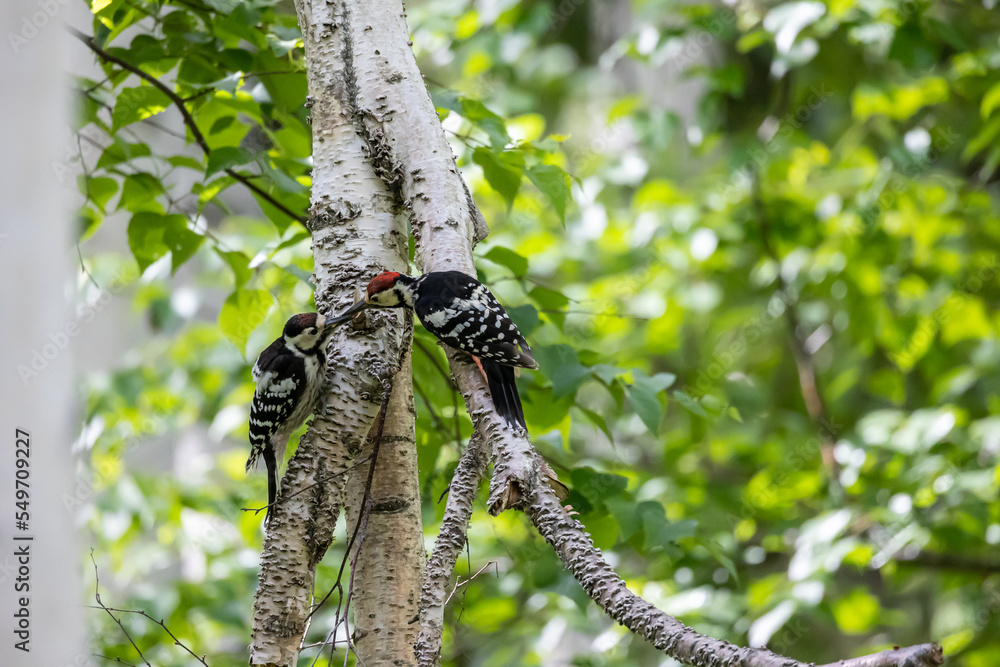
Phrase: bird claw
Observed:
(570, 511)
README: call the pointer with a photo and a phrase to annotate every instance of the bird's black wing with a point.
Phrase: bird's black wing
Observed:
(281, 379)
(462, 313)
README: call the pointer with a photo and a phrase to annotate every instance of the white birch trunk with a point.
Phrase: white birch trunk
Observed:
(390, 563)
(356, 234)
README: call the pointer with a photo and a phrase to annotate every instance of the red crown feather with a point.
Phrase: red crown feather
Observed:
(382, 282)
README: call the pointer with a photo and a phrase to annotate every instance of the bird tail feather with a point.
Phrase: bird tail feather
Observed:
(503, 389)
(272, 479)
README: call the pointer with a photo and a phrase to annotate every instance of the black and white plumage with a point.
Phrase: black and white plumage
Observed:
(462, 313)
(289, 378)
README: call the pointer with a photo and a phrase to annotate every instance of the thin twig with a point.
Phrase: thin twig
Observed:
(109, 610)
(97, 596)
(357, 539)
(459, 583)
(258, 510)
(108, 657)
(189, 120)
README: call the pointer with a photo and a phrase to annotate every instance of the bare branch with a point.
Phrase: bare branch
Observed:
(447, 547)
(579, 555)
(139, 612)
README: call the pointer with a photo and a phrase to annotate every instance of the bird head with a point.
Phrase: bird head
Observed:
(386, 290)
(307, 331)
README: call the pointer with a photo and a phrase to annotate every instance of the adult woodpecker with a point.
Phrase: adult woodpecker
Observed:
(289, 377)
(462, 313)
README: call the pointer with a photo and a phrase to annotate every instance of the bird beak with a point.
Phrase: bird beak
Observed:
(349, 313)
(320, 322)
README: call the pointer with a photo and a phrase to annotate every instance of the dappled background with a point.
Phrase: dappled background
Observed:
(755, 247)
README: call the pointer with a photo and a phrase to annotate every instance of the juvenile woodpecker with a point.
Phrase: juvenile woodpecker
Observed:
(289, 377)
(462, 313)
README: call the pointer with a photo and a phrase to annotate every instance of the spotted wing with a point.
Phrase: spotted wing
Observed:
(464, 314)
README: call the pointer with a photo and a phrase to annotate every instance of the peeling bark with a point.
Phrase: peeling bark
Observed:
(390, 563)
(447, 548)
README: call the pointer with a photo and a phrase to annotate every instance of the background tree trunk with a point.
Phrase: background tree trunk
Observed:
(39, 338)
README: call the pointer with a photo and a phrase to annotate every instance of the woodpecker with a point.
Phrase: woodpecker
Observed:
(289, 375)
(462, 313)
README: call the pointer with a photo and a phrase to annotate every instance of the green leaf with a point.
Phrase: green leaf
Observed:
(658, 530)
(991, 100)
(525, 317)
(244, 311)
(139, 193)
(493, 125)
(506, 257)
(121, 151)
(552, 302)
(566, 379)
(152, 235)
(647, 405)
(503, 172)
(554, 184)
(239, 263)
(624, 511)
(561, 365)
(186, 161)
(596, 486)
(226, 157)
(100, 190)
(606, 373)
(657, 383)
(135, 104)
(691, 405)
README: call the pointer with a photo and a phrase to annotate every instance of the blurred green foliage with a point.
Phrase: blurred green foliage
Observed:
(695, 208)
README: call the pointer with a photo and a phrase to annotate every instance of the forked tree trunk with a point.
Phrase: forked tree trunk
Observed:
(356, 234)
(373, 121)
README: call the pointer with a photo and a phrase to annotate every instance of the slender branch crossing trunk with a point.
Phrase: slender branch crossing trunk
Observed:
(448, 547)
(391, 559)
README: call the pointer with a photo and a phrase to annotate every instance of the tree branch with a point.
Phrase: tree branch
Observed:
(576, 550)
(448, 547)
(189, 120)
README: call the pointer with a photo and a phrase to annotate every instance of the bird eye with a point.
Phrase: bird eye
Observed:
(312, 330)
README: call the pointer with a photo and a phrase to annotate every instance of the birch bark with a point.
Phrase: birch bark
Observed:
(356, 234)
(390, 563)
